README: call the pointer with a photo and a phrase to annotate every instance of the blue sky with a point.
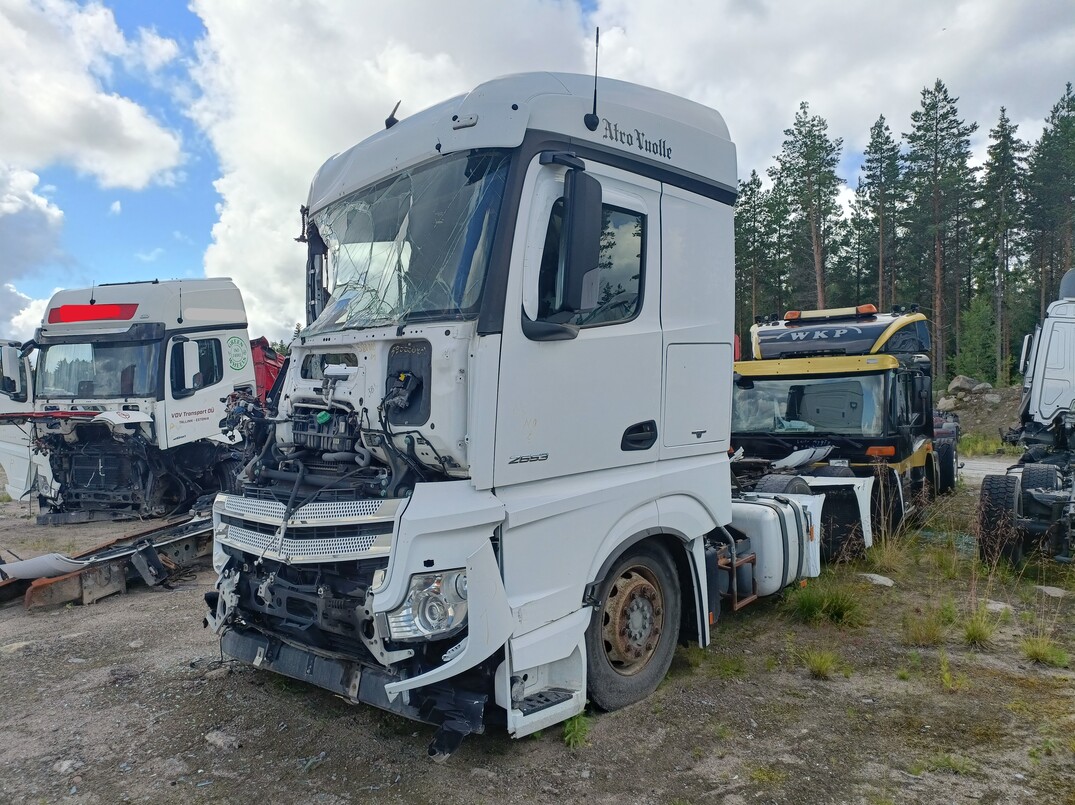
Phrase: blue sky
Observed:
(160, 231)
(172, 139)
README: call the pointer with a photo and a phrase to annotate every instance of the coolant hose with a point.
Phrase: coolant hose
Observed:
(360, 456)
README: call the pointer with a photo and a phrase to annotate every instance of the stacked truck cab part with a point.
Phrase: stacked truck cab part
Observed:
(841, 399)
(468, 508)
(1032, 506)
(128, 393)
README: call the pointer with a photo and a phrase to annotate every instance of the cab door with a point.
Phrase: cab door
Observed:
(16, 396)
(590, 402)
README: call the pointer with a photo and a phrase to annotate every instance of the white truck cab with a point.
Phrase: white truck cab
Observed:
(127, 395)
(499, 476)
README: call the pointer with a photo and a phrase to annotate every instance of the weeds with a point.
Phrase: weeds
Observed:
(923, 628)
(826, 600)
(820, 663)
(576, 729)
(729, 667)
(1043, 649)
(978, 629)
(944, 763)
(952, 683)
(980, 444)
(767, 774)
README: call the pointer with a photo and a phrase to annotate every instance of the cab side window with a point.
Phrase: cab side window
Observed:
(614, 293)
(210, 368)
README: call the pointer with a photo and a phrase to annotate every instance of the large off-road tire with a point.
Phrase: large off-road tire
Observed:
(998, 508)
(1038, 476)
(634, 628)
(830, 471)
(782, 485)
(947, 467)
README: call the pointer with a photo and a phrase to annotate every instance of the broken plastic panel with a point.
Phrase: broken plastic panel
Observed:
(415, 246)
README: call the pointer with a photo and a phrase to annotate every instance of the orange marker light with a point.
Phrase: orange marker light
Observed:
(866, 309)
(792, 315)
(881, 450)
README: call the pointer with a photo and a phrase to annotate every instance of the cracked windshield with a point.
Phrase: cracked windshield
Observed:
(414, 246)
(808, 405)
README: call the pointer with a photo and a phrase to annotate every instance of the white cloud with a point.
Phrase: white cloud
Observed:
(285, 88)
(20, 315)
(756, 63)
(150, 256)
(115, 208)
(154, 51)
(30, 224)
(54, 57)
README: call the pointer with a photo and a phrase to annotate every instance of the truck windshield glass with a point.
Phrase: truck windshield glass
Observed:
(98, 370)
(852, 406)
(414, 246)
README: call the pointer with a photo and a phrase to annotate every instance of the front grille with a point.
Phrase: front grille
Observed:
(249, 506)
(298, 547)
(327, 532)
(104, 472)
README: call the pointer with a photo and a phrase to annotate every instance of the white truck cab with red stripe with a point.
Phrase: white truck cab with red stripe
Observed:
(128, 395)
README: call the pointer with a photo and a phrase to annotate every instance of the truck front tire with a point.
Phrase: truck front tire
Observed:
(947, 467)
(634, 628)
(998, 507)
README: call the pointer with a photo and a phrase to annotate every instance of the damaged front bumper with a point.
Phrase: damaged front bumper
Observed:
(456, 712)
(326, 620)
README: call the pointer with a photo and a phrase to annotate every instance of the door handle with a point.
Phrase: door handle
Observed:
(641, 436)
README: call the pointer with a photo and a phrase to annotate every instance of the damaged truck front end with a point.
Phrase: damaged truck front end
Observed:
(425, 647)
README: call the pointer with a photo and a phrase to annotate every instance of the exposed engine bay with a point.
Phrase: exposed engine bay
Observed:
(106, 471)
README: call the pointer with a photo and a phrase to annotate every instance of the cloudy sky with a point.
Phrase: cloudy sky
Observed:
(142, 140)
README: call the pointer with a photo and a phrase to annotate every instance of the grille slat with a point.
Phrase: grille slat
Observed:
(254, 542)
(311, 512)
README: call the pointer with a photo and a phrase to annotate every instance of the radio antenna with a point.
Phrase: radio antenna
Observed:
(591, 120)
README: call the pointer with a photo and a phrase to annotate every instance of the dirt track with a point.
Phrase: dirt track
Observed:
(122, 701)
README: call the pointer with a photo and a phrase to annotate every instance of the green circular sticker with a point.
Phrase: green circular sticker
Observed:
(238, 354)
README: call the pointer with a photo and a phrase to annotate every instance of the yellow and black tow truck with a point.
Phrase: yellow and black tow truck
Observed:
(840, 401)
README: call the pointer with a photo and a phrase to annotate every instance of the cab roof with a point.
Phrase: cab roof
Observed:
(843, 331)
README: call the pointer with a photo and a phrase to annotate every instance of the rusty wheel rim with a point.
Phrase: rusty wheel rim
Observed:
(632, 620)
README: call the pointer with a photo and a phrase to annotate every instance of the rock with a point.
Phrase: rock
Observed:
(962, 383)
(982, 388)
(11, 648)
(992, 399)
(1052, 592)
(961, 395)
(76, 660)
(221, 740)
(66, 766)
(311, 763)
(946, 404)
(585, 774)
(880, 581)
(218, 673)
(136, 644)
(485, 774)
(997, 606)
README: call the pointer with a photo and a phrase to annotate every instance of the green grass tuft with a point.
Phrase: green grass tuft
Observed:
(576, 729)
(978, 629)
(923, 628)
(826, 600)
(1043, 649)
(820, 663)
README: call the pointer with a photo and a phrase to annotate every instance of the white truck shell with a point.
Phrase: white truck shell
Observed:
(145, 362)
(549, 460)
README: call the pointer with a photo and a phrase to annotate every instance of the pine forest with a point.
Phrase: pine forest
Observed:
(980, 249)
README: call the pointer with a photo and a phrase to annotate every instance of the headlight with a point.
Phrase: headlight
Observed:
(220, 559)
(435, 606)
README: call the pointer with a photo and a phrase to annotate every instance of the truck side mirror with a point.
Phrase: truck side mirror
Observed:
(580, 240)
(11, 362)
(1024, 356)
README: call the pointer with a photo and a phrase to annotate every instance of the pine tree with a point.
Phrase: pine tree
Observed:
(1051, 200)
(1001, 195)
(752, 241)
(883, 195)
(806, 168)
(938, 177)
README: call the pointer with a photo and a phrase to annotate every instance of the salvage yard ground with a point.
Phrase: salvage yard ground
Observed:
(842, 692)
